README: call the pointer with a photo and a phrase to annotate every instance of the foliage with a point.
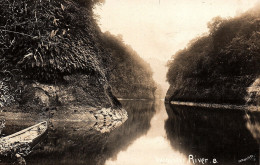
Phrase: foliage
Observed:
(48, 38)
(6, 98)
(229, 54)
(129, 72)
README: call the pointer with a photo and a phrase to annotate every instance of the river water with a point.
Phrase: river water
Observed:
(154, 134)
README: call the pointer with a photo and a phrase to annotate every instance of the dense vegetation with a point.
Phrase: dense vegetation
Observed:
(131, 76)
(46, 40)
(43, 39)
(219, 66)
(58, 43)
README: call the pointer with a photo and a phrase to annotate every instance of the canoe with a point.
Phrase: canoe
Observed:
(23, 141)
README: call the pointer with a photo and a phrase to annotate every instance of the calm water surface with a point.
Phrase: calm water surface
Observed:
(154, 134)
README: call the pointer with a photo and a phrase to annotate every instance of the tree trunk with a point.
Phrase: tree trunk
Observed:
(115, 104)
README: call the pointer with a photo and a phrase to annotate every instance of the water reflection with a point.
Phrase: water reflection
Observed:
(153, 148)
(253, 124)
(213, 134)
(152, 136)
(78, 143)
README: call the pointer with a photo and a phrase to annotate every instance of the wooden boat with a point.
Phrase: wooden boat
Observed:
(23, 141)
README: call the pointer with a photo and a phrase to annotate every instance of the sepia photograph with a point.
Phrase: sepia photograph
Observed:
(129, 82)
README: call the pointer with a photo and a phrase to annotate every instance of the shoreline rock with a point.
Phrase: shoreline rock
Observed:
(248, 96)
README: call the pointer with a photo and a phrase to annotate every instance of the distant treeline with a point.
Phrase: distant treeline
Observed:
(131, 76)
(219, 66)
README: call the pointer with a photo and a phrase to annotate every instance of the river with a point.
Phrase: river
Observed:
(154, 134)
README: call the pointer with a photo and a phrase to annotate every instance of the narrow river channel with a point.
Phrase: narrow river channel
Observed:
(154, 134)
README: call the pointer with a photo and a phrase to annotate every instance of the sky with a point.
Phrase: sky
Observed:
(157, 29)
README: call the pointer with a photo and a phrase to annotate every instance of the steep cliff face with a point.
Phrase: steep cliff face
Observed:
(221, 66)
(52, 53)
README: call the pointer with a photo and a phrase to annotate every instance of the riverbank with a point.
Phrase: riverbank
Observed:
(66, 65)
(221, 66)
(218, 106)
(102, 120)
(74, 142)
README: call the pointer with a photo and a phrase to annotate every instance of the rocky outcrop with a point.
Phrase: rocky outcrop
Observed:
(111, 119)
(229, 90)
(77, 98)
(77, 89)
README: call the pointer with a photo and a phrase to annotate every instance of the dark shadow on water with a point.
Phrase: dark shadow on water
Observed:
(213, 134)
(77, 143)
